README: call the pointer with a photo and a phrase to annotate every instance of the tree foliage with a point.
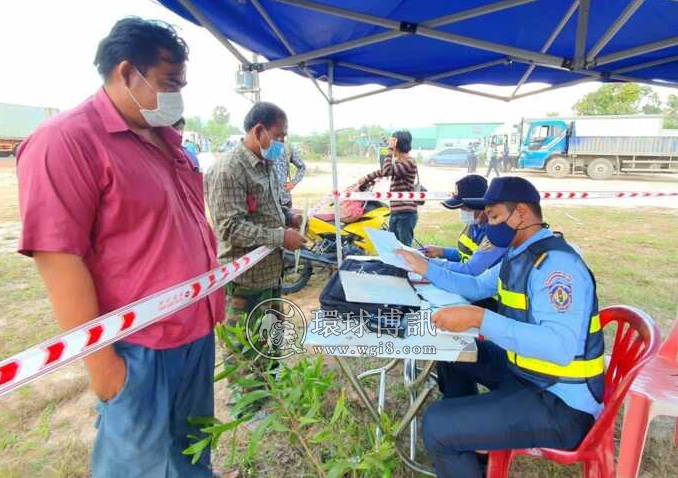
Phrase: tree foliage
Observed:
(671, 112)
(628, 99)
(217, 129)
(619, 99)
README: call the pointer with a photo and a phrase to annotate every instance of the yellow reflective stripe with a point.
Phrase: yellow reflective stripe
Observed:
(515, 300)
(595, 324)
(468, 242)
(575, 369)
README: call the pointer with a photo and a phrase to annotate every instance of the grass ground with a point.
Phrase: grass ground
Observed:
(46, 429)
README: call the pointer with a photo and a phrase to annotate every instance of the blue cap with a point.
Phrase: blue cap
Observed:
(507, 189)
(471, 186)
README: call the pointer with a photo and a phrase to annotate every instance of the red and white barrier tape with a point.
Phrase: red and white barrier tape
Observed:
(442, 195)
(96, 334)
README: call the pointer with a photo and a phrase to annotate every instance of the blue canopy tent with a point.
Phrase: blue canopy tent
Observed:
(404, 43)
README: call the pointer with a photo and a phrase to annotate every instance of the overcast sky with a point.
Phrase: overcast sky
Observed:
(48, 48)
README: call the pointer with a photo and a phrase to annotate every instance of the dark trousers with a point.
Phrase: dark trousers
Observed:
(402, 224)
(472, 164)
(494, 164)
(513, 414)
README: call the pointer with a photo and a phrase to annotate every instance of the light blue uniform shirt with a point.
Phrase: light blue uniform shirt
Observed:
(485, 257)
(560, 331)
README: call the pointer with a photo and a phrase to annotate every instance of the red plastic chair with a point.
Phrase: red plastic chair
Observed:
(636, 342)
(654, 393)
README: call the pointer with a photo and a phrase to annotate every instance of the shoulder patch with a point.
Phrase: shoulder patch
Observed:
(559, 285)
(485, 245)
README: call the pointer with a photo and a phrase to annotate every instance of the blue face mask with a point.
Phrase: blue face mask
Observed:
(274, 150)
(501, 235)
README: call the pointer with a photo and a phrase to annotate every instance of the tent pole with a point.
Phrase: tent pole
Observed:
(262, 11)
(388, 35)
(333, 156)
(648, 64)
(204, 21)
(582, 31)
(616, 26)
(547, 45)
(409, 81)
(637, 51)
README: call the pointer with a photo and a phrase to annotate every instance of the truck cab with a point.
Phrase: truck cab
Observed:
(544, 139)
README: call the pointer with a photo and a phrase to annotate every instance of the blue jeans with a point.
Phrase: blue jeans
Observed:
(402, 225)
(144, 428)
(513, 414)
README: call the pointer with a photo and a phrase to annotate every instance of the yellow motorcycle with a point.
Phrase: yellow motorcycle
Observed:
(321, 232)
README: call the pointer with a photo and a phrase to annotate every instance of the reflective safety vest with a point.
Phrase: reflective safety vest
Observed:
(466, 246)
(514, 303)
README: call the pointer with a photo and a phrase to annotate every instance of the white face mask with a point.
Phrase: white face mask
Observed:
(467, 217)
(169, 110)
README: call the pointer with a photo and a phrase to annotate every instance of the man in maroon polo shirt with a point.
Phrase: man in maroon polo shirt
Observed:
(112, 211)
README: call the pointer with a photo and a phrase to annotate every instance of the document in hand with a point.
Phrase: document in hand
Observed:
(386, 244)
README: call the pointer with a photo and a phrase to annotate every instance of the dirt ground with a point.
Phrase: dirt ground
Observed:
(57, 412)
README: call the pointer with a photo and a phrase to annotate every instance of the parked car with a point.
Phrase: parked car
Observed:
(449, 157)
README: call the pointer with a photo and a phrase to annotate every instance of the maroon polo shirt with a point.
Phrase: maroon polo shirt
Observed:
(90, 186)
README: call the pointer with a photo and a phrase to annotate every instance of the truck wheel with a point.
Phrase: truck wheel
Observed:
(558, 167)
(600, 169)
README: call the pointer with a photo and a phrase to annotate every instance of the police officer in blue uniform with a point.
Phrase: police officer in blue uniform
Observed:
(474, 253)
(542, 353)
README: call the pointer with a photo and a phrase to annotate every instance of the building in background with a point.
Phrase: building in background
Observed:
(17, 122)
(462, 134)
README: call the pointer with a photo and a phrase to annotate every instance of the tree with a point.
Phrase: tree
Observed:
(221, 115)
(552, 114)
(671, 112)
(194, 124)
(619, 99)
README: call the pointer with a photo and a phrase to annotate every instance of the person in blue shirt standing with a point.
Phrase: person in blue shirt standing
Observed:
(189, 147)
(474, 253)
(542, 353)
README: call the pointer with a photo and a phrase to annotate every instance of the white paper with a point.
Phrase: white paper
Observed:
(378, 289)
(386, 244)
(445, 346)
(437, 297)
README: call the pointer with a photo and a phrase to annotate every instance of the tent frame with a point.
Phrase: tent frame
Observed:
(581, 63)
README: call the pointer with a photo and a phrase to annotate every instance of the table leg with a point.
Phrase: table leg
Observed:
(382, 388)
(355, 382)
(409, 415)
(409, 373)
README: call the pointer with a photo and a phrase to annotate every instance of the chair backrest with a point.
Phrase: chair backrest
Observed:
(669, 349)
(636, 342)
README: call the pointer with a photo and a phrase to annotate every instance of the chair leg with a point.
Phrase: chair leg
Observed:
(499, 464)
(634, 432)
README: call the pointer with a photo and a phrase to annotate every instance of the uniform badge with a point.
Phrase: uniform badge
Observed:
(485, 245)
(559, 286)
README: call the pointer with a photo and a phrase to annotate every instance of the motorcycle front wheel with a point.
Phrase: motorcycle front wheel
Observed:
(293, 282)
